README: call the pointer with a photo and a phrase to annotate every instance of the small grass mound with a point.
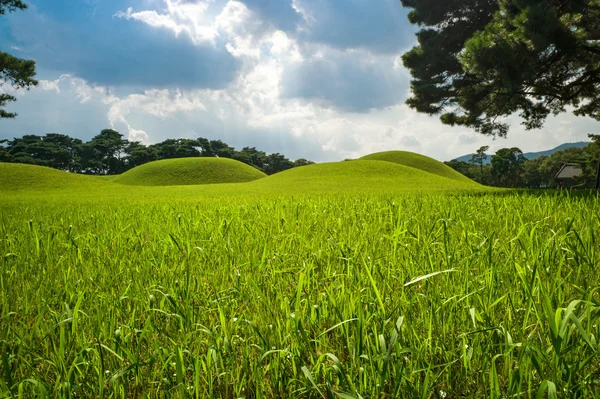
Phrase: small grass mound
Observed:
(189, 171)
(17, 176)
(417, 161)
(361, 176)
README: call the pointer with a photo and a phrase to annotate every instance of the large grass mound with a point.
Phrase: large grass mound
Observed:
(417, 161)
(361, 176)
(189, 171)
(16, 176)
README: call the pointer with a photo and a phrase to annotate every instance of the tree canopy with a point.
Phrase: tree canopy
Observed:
(108, 153)
(17, 72)
(509, 168)
(478, 61)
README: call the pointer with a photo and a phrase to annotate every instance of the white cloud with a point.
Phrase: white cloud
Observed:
(250, 112)
(253, 110)
(180, 17)
(409, 141)
(138, 135)
(49, 85)
(466, 138)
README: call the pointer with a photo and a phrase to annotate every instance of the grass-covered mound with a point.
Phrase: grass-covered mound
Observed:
(16, 176)
(417, 161)
(189, 171)
(360, 176)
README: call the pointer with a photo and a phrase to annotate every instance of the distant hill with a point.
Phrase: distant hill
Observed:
(534, 155)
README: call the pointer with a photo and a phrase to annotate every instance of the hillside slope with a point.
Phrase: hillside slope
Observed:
(360, 176)
(16, 176)
(417, 161)
(189, 171)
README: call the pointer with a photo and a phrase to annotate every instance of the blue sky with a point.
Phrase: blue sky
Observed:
(318, 79)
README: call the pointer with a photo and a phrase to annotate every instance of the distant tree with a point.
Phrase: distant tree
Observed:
(252, 157)
(480, 60)
(177, 148)
(108, 153)
(275, 163)
(479, 157)
(137, 154)
(23, 149)
(507, 165)
(104, 154)
(461, 167)
(215, 148)
(594, 151)
(4, 154)
(62, 151)
(222, 149)
(17, 72)
(534, 175)
(53, 150)
(205, 147)
(302, 162)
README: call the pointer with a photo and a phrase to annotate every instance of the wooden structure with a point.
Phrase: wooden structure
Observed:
(568, 174)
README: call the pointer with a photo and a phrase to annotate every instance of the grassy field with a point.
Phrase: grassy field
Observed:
(362, 279)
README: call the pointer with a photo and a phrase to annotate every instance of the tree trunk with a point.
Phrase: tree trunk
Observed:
(598, 174)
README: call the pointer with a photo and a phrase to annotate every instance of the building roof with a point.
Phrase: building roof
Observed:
(569, 171)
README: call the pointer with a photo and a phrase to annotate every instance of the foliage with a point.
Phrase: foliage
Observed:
(17, 72)
(507, 165)
(109, 154)
(481, 60)
(11, 5)
(178, 292)
(480, 156)
(302, 162)
(178, 148)
(511, 170)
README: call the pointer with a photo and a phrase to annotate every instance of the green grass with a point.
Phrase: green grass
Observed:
(417, 161)
(356, 177)
(346, 280)
(364, 176)
(348, 178)
(189, 171)
(17, 177)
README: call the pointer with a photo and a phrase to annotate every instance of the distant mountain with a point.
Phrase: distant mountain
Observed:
(534, 155)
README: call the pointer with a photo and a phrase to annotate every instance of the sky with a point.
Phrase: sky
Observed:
(315, 79)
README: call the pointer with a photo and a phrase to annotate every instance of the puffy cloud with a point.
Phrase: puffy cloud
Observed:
(64, 105)
(409, 141)
(466, 138)
(279, 14)
(89, 42)
(249, 72)
(180, 17)
(251, 113)
(379, 26)
(354, 81)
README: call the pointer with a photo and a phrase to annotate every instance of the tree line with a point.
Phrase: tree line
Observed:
(109, 154)
(508, 167)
